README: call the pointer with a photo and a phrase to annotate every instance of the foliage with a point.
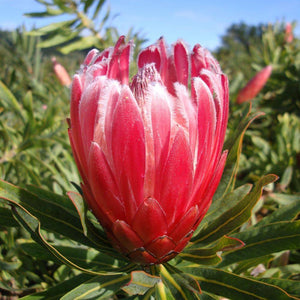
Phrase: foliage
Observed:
(82, 29)
(52, 247)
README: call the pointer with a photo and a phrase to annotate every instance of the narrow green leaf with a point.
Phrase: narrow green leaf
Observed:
(48, 13)
(10, 265)
(285, 213)
(28, 105)
(234, 145)
(57, 39)
(87, 4)
(162, 292)
(8, 100)
(81, 208)
(140, 283)
(283, 199)
(181, 286)
(209, 255)
(245, 265)
(87, 258)
(55, 212)
(53, 27)
(32, 225)
(80, 44)
(264, 240)
(61, 289)
(235, 216)
(225, 203)
(232, 286)
(284, 272)
(98, 8)
(92, 233)
(100, 287)
(6, 218)
(290, 286)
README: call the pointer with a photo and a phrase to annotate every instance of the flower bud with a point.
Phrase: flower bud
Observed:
(254, 86)
(61, 73)
(288, 37)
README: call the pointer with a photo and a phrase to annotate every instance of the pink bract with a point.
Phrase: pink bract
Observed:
(149, 151)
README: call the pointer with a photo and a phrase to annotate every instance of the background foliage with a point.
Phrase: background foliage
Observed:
(35, 155)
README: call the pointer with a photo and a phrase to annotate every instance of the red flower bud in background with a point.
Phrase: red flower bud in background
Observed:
(254, 86)
(61, 73)
(149, 152)
(288, 33)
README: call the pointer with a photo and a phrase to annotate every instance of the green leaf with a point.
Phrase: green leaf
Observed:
(162, 292)
(232, 286)
(59, 290)
(8, 100)
(283, 199)
(87, 4)
(81, 208)
(264, 240)
(234, 145)
(140, 283)
(28, 105)
(284, 272)
(225, 203)
(286, 177)
(235, 216)
(56, 214)
(245, 265)
(290, 286)
(180, 285)
(87, 258)
(285, 213)
(6, 218)
(53, 27)
(98, 8)
(10, 265)
(32, 225)
(209, 255)
(48, 13)
(80, 44)
(57, 39)
(100, 287)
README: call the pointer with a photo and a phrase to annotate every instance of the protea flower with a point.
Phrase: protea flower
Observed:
(254, 86)
(149, 151)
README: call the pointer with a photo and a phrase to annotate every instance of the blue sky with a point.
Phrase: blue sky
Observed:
(195, 21)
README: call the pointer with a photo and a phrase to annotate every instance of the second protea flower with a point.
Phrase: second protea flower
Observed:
(149, 151)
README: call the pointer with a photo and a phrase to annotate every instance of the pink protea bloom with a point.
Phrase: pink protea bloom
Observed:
(149, 152)
(61, 73)
(254, 86)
